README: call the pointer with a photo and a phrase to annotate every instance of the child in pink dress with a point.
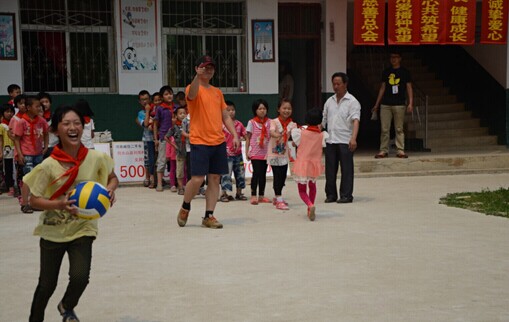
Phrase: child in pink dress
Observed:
(308, 164)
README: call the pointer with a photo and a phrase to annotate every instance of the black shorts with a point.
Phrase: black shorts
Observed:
(207, 159)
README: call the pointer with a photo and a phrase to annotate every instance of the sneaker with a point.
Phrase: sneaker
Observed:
(274, 201)
(182, 217)
(211, 222)
(254, 200)
(68, 315)
(263, 200)
(173, 189)
(202, 191)
(181, 191)
(281, 206)
(311, 213)
(11, 192)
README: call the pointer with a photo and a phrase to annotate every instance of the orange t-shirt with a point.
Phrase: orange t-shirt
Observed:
(206, 116)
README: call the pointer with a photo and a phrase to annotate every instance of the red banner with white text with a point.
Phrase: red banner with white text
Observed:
(403, 22)
(494, 21)
(460, 22)
(369, 22)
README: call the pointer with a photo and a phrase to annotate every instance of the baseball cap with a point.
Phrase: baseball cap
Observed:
(204, 61)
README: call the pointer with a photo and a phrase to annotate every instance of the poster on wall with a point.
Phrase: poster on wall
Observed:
(8, 50)
(263, 40)
(129, 161)
(138, 35)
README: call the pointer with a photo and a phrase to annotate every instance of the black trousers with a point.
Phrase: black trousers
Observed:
(279, 173)
(338, 155)
(259, 178)
(79, 252)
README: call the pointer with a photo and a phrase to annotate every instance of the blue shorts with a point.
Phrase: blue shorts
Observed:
(31, 161)
(207, 159)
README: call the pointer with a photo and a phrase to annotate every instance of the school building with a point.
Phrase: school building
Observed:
(106, 51)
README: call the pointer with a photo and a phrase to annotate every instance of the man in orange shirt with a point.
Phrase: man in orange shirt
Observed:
(207, 111)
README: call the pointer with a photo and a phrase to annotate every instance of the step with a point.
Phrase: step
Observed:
(444, 125)
(425, 75)
(471, 142)
(445, 108)
(453, 133)
(495, 159)
(466, 149)
(443, 116)
(442, 99)
(435, 83)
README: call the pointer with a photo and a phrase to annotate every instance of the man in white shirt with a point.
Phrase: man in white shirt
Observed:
(341, 116)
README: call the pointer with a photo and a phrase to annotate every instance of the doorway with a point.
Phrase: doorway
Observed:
(299, 45)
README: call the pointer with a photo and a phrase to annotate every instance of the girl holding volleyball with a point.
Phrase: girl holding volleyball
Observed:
(60, 229)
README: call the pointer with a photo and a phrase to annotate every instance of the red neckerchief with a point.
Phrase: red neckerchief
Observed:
(20, 115)
(11, 102)
(87, 119)
(47, 115)
(179, 123)
(264, 128)
(4, 121)
(60, 155)
(314, 128)
(32, 123)
(168, 106)
(285, 123)
(152, 109)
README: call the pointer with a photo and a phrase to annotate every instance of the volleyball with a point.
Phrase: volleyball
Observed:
(92, 199)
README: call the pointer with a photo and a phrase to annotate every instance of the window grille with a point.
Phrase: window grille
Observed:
(68, 45)
(194, 28)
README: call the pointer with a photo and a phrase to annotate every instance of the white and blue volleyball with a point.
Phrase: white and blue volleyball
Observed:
(92, 199)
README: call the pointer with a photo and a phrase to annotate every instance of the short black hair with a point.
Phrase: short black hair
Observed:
(29, 100)
(143, 92)
(230, 103)
(344, 77)
(395, 51)
(166, 88)
(6, 107)
(314, 116)
(42, 95)
(156, 94)
(283, 100)
(257, 103)
(11, 88)
(180, 96)
(60, 113)
(18, 98)
(178, 108)
(83, 106)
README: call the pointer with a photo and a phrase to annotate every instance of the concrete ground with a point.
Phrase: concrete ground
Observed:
(394, 254)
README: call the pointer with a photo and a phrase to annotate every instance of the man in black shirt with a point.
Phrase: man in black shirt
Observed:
(396, 86)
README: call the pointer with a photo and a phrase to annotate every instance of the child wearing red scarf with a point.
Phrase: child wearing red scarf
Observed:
(60, 230)
(278, 154)
(308, 165)
(31, 142)
(46, 101)
(257, 136)
(179, 144)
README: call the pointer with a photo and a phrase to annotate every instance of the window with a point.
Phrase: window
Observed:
(194, 28)
(68, 45)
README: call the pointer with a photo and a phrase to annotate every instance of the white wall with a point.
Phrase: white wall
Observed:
(133, 82)
(11, 70)
(335, 52)
(262, 77)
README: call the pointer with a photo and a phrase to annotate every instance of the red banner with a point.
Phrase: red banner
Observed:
(460, 22)
(404, 18)
(494, 21)
(432, 26)
(369, 21)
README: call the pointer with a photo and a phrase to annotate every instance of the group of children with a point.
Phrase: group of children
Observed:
(25, 139)
(165, 124)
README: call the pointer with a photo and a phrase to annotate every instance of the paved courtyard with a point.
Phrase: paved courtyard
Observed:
(394, 254)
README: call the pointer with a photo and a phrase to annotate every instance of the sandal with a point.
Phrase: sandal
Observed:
(146, 182)
(402, 155)
(381, 155)
(224, 198)
(240, 197)
(26, 209)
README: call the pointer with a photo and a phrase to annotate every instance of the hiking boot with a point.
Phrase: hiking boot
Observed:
(211, 222)
(67, 315)
(182, 217)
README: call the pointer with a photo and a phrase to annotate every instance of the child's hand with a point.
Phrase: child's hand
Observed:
(68, 205)
(21, 159)
(113, 197)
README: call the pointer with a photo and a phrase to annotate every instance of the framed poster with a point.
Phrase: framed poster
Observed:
(262, 35)
(8, 50)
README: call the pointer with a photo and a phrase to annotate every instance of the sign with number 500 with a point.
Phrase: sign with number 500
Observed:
(129, 161)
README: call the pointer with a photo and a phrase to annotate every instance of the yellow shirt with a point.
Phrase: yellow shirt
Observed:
(59, 225)
(8, 150)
